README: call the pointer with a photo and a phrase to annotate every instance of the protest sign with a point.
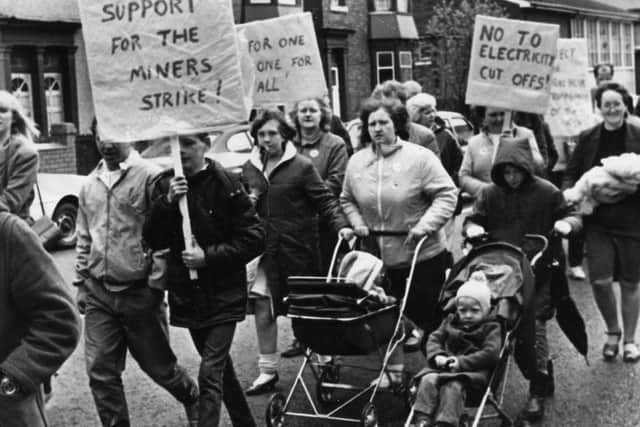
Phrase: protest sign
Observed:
(570, 111)
(161, 67)
(511, 64)
(280, 60)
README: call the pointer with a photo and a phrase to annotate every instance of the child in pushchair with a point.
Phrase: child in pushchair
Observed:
(461, 354)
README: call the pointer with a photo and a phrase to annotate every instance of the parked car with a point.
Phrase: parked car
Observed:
(458, 124)
(60, 200)
(230, 147)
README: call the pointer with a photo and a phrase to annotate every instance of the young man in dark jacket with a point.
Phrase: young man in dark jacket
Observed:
(515, 204)
(39, 324)
(227, 234)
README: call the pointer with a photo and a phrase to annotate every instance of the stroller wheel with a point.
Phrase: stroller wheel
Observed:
(275, 410)
(369, 416)
(324, 394)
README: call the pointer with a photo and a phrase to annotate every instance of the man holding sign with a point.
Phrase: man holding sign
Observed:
(122, 312)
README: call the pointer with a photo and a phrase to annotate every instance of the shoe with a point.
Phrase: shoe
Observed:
(534, 410)
(261, 387)
(630, 352)
(385, 383)
(414, 341)
(193, 413)
(610, 351)
(577, 273)
(295, 349)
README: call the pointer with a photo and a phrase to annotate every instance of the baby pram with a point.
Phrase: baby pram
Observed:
(511, 279)
(330, 316)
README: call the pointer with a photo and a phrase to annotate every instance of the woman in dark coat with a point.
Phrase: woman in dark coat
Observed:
(289, 194)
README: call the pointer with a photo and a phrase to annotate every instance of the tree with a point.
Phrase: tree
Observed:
(451, 30)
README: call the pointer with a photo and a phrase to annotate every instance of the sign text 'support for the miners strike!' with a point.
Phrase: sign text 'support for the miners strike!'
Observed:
(161, 67)
(511, 64)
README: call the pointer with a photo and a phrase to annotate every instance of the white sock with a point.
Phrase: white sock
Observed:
(268, 363)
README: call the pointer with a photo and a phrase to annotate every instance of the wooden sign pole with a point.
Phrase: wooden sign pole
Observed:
(182, 203)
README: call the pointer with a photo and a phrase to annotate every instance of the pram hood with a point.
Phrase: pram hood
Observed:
(360, 268)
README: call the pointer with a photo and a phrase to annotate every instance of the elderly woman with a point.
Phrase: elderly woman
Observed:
(422, 110)
(475, 171)
(289, 195)
(612, 231)
(18, 157)
(395, 185)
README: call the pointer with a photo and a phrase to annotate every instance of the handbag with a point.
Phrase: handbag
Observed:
(46, 229)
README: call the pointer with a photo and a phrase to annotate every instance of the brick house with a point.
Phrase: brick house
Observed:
(611, 28)
(362, 42)
(42, 61)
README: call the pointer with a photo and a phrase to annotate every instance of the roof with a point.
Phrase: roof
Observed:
(41, 10)
(386, 25)
(608, 7)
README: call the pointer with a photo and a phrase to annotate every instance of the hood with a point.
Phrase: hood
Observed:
(514, 151)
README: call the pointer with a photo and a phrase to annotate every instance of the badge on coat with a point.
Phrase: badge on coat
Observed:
(314, 153)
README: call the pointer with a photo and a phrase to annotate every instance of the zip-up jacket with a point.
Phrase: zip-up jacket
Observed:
(404, 189)
(109, 224)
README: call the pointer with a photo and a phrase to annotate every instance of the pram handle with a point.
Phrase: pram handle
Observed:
(545, 245)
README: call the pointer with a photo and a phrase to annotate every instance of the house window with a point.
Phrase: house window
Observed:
(382, 5)
(385, 66)
(339, 6)
(53, 95)
(22, 89)
(607, 41)
(288, 2)
(402, 6)
(406, 66)
(260, 1)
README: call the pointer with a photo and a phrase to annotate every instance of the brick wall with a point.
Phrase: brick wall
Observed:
(58, 155)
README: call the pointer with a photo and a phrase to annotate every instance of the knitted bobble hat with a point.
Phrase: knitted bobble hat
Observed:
(478, 289)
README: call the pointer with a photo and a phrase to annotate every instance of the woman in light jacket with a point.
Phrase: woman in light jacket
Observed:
(394, 185)
(18, 157)
(475, 171)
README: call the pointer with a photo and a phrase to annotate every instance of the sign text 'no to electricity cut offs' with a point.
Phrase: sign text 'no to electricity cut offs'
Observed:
(162, 67)
(511, 64)
(280, 60)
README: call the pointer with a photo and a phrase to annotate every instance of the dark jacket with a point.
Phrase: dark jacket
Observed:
(450, 151)
(289, 200)
(227, 228)
(39, 323)
(477, 350)
(508, 214)
(337, 128)
(617, 218)
(329, 155)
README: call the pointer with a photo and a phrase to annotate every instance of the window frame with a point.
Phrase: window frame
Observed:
(391, 67)
(404, 67)
(580, 28)
(337, 7)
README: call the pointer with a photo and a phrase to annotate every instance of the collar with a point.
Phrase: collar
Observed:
(132, 159)
(256, 160)
(314, 141)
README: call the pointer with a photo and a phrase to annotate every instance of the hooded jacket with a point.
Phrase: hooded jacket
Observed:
(508, 214)
(18, 174)
(226, 226)
(289, 201)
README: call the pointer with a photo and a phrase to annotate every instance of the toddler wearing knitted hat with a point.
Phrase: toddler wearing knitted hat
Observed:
(473, 300)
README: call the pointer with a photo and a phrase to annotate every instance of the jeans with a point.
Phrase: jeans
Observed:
(441, 401)
(217, 378)
(22, 411)
(131, 319)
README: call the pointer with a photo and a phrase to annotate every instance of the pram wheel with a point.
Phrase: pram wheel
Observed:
(275, 410)
(369, 417)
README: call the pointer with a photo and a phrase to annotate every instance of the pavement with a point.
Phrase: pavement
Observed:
(597, 394)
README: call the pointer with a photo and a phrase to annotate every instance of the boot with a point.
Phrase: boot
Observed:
(541, 386)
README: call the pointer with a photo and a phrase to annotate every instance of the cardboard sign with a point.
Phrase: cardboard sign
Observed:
(511, 64)
(570, 110)
(280, 60)
(162, 67)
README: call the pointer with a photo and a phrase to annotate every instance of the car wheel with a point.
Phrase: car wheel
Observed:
(65, 216)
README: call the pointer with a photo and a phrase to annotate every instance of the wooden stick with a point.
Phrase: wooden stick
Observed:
(182, 203)
(506, 124)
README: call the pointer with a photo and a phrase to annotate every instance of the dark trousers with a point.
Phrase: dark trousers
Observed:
(131, 319)
(422, 304)
(440, 401)
(22, 411)
(576, 242)
(217, 378)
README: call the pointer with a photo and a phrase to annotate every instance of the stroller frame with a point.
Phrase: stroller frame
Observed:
(327, 377)
(497, 383)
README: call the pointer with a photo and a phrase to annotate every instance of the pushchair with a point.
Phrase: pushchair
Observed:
(331, 316)
(510, 271)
